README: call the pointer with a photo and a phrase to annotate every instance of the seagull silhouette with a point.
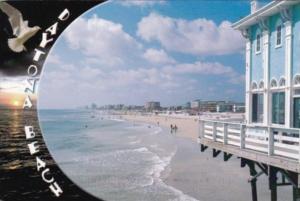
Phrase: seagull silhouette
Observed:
(20, 28)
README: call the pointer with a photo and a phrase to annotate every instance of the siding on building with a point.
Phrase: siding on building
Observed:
(257, 72)
(296, 40)
(277, 54)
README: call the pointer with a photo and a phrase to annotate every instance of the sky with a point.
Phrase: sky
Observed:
(13, 65)
(12, 91)
(131, 52)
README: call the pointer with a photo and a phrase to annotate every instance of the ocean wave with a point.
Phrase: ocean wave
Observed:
(135, 142)
(126, 151)
(180, 195)
(156, 131)
(115, 119)
(161, 163)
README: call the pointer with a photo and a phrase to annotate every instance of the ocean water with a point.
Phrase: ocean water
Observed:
(111, 158)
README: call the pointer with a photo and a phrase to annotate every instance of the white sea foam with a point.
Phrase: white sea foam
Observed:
(180, 195)
(119, 166)
(116, 119)
(156, 131)
(135, 142)
(160, 165)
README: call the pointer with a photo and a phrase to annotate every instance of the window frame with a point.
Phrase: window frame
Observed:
(278, 92)
(257, 120)
(258, 43)
(276, 36)
(296, 81)
(273, 84)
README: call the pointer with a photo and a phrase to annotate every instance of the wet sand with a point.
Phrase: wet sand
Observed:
(187, 127)
(211, 179)
(204, 177)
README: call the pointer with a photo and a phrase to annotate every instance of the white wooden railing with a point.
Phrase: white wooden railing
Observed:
(274, 141)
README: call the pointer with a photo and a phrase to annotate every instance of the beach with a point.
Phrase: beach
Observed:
(156, 165)
(136, 157)
(187, 126)
(200, 175)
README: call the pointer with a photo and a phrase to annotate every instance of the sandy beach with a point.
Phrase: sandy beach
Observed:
(187, 127)
(199, 174)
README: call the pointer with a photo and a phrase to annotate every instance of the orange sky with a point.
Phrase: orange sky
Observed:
(13, 100)
(12, 92)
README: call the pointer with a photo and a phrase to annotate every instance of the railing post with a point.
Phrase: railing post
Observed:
(299, 151)
(242, 137)
(214, 132)
(225, 137)
(280, 136)
(270, 142)
(201, 129)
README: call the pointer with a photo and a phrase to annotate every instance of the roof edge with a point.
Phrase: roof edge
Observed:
(259, 13)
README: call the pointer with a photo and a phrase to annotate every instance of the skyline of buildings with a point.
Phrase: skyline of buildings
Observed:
(201, 106)
(167, 51)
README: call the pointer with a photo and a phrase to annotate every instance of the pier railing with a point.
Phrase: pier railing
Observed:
(274, 141)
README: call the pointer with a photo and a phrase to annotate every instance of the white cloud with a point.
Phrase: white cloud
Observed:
(141, 3)
(197, 37)
(206, 68)
(113, 67)
(54, 59)
(72, 86)
(13, 84)
(198, 67)
(158, 56)
(106, 40)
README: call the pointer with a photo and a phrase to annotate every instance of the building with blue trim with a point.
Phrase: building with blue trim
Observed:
(272, 63)
(269, 141)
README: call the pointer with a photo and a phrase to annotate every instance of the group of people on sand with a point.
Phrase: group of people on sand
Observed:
(173, 128)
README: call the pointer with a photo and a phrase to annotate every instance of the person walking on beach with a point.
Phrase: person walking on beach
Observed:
(171, 127)
(175, 128)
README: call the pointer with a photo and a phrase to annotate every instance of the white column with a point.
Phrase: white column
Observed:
(265, 63)
(248, 102)
(288, 74)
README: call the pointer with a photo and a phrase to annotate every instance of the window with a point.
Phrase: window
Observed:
(257, 108)
(297, 112)
(261, 84)
(273, 83)
(297, 92)
(278, 35)
(278, 107)
(254, 85)
(282, 82)
(258, 43)
(297, 80)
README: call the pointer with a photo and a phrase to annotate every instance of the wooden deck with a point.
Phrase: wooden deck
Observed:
(274, 146)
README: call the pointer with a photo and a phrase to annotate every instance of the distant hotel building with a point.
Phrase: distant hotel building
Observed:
(216, 106)
(272, 63)
(152, 105)
(195, 104)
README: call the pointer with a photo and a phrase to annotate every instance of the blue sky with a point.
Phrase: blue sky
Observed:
(135, 51)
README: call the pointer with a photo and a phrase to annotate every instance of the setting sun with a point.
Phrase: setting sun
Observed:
(16, 103)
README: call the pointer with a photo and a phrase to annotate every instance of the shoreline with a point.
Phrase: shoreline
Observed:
(201, 176)
(166, 175)
(187, 127)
